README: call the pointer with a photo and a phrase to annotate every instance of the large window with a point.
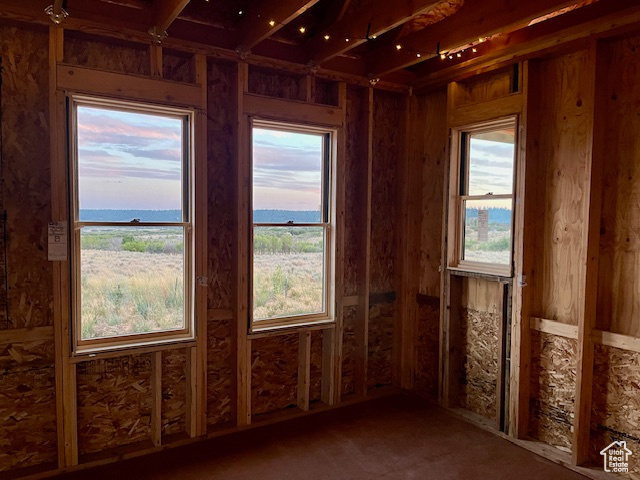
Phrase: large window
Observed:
(132, 231)
(292, 233)
(482, 209)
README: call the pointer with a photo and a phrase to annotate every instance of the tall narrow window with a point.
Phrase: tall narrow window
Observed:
(132, 235)
(484, 203)
(292, 235)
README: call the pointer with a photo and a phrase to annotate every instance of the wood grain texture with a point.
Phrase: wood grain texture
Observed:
(387, 116)
(349, 350)
(618, 288)
(274, 373)
(428, 346)
(615, 408)
(178, 66)
(485, 87)
(26, 175)
(114, 402)
(315, 389)
(552, 389)
(382, 317)
(431, 111)
(95, 52)
(174, 392)
(274, 83)
(563, 142)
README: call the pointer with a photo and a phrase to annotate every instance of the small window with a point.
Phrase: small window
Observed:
(292, 229)
(132, 229)
(482, 209)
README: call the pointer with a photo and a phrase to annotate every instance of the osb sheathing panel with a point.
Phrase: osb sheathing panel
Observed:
(221, 149)
(562, 130)
(387, 140)
(315, 387)
(277, 84)
(356, 180)
(274, 373)
(428, 112)
(26, 175)
(615, 408)
(178, 66)
(219, 372)
(619, 266)
(174, 391)
(348, 350)
(114, 402)
(326, 92)
(552, 389)
(479, 375)
(27, 404)
(381, 320)
(93, 52)
(428, 346)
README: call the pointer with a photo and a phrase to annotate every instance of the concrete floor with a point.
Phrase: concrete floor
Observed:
(399, 437)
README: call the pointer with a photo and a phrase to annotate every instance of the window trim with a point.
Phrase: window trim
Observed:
(328, 223)
(148, 339)
(458, 188)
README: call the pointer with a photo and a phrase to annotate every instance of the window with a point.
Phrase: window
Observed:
(481, 209)
(132, 229)
(292, 230)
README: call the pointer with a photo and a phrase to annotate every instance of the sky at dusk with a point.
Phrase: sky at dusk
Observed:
(287, 170)
(128, 160)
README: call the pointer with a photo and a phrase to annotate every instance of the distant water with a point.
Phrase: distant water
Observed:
(260, 216)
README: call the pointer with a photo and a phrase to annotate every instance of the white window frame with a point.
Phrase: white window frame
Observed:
(185, 334)
(327, 222)
(458, 196)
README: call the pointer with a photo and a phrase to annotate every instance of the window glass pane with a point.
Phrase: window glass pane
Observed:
(491, 157)
(287, 176)
(288, 271)
(487, 231)
(129, 165)
(132, 280)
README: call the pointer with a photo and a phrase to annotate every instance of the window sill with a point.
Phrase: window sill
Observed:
(101, 352)
(497, 275)
(275, 330)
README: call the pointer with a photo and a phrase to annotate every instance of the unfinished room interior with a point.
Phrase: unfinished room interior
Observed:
(346, 239)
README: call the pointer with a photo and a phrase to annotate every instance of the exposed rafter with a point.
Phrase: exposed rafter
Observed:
(473, 21)
(381, 16)
(591, 20)
(166, 11)
(272, 16)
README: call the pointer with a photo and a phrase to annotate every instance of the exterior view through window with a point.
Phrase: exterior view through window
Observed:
(486, 194)
(132, 235)
(291, 225)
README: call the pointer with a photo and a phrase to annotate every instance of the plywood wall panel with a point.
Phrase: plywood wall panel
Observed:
(178, 66)
(26, 175)
(552, 389)
(486, 87)
(114, 402)
(356, 134)
(562, 145)
(272, 83)
(387, 143)
(114, 56)
(615, 409)
(221, 163)
(428, 347)
(349, 350)
(431, 113)
(315, 388)
(220, 374)
(274, 373)
(174, 391)
(619, 268)
(27, 405)
(382, 317)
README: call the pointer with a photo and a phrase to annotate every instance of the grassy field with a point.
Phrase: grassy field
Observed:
(132, 279)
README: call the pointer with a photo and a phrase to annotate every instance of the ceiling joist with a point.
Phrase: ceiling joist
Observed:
(271, 17)
(356, 28)
(475, 20)
(166, 12)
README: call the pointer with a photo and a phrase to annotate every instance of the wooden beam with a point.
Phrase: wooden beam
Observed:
(304, 369)
(381, 16)
(256, 27)
(277, 109)
(156, 398)
(86, 80)
(473, 21)
(588, 272)
(553, 327)
(592, 20)
(166, 12)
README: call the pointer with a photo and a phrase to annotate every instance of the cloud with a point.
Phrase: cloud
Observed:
(115, 171)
